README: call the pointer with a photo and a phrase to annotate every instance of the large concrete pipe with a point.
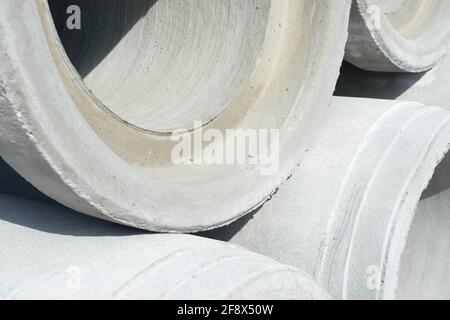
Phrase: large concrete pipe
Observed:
(363, 212)
(47, 252)
(398, 35)
(88, 116)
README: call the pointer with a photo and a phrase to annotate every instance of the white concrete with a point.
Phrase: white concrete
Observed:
(398, 35)
(103, 159)
(348, 214)
(47, 252)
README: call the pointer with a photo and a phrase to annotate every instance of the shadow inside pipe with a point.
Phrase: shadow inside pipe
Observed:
(103, 24)
(354, 82)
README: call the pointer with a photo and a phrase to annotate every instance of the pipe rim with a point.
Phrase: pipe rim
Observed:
(416, 51)
(191, 95)
(107, 186)
(145, 266)
(372, 232)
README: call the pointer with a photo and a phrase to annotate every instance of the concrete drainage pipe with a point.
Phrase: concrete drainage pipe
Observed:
(398, 35)
(87, 116)
(358, 213)
(96, 260)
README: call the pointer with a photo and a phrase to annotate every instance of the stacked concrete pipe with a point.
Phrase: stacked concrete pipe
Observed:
(361, 201)
(84, 121)
(398, 35)
(360, 212)
(49, 253)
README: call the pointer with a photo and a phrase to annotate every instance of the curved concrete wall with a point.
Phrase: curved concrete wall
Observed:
(50, 253)
(398, 35)
(83, 134)
(348, 214)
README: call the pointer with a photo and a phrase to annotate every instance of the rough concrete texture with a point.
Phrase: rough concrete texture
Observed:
(398, 35)
(106, 160)
(348, 215)
(366, 212)
(51, 253)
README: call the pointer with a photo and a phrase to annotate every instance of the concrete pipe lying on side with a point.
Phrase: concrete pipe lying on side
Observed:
(89, 116)
(398, 35)
(47, 252)
(364, 213)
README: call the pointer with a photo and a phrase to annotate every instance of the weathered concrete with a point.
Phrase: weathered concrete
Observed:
(47, 252)
(348, 215)
(398, 35)
(97, 156)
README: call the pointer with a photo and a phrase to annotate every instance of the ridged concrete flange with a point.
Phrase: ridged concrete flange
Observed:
(48, 252)
(398, 35)
(101, 146)
(358, 213)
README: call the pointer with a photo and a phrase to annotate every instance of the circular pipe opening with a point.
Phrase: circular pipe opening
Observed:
(415, 19)
(160, 66)
(425, 262)
(398, 35)
(106, 168)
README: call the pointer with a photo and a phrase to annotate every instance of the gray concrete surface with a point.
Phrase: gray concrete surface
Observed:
(50, 253)
(431, 88)
(416, 247)
(113, 160)
(349, 210)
